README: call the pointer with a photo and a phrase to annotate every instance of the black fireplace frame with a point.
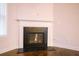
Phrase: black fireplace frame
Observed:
(35, 46)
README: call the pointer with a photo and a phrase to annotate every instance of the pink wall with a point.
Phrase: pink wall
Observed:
(9, 42)
(22, 11)
(66, 21)
(31, 11)
(66, 25)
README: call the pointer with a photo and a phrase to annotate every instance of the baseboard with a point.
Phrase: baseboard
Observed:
(66, 48)
(3, 51)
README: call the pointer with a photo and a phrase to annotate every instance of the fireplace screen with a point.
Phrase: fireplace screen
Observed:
(35, 37)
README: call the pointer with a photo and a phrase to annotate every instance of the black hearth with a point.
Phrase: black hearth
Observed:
(34, 38)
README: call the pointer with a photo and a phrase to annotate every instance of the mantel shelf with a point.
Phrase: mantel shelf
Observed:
(34, 20)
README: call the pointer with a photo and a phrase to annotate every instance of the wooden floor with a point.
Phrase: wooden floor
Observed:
(55, 51)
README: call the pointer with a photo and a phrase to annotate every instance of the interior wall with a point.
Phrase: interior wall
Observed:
(66, 31)
(9, 41)
(66, 25)
(28, 11)
(35, 11)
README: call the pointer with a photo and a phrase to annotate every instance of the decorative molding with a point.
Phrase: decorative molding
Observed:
(34, 20)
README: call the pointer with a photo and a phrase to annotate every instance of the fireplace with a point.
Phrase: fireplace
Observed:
(34, 35)
(34, 38)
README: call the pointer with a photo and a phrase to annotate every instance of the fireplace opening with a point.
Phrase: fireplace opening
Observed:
(34, 38)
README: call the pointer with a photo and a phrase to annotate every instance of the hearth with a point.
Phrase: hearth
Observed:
(34, 38)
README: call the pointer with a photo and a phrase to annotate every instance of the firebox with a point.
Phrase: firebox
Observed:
(34, 38)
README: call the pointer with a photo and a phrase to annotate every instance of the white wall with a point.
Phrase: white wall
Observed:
(66, 26)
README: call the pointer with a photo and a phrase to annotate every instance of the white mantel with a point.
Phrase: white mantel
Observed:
(35, 23)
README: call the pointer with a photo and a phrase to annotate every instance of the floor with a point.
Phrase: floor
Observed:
(54, 51)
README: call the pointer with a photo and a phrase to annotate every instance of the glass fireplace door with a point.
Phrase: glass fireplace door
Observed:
(35, 39)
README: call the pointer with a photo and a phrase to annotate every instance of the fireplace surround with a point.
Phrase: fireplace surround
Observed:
(34, 23)
(34, 38)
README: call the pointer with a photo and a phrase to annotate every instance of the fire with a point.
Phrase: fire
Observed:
(36, 36)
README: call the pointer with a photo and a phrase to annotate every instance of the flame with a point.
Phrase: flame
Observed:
(36, 36)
